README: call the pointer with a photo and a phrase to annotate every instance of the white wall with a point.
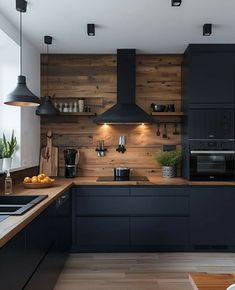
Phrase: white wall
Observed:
(29, 122)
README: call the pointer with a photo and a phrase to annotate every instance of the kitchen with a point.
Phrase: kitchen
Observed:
(135, 180)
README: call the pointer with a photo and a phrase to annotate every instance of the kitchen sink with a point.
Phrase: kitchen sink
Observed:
(18, 204)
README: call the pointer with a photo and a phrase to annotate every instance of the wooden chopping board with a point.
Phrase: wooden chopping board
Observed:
(49, 157)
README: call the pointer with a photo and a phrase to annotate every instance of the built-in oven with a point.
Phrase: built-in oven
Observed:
(212, 160)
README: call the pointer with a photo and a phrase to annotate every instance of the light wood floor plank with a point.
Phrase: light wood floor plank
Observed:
(139, 271)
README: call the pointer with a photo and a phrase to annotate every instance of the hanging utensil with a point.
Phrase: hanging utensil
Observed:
(175, 131)
(164, 135)
(158, 129)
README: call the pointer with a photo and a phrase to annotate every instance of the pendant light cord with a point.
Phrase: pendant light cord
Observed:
(21, 54)
(47, 70)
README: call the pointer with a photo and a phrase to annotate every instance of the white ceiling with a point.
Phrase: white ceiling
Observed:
(151, 26)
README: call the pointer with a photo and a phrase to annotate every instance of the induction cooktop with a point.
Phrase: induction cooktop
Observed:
(131, 178)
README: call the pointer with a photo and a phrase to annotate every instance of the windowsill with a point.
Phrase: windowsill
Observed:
(15, 169)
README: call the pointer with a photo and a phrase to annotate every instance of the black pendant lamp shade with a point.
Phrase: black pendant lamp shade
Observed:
(21, 96)
(47, 108)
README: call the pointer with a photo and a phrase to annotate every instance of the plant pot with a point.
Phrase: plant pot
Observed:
(168, 171)
(7, 162)
(1, 164)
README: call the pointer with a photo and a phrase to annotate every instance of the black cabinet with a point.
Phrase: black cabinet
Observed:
(13, 274)
(130, 218)
(211, 124)
(102, 233)
(49, 243)
(209, 75)
(212, 216)
(159, 231)
(36, 255)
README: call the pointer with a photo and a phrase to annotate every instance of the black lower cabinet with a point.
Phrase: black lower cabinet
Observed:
(13, 273)
(35, 256)
(56, 240)
(164, 232)
(212, 217)
(102, 233)
(130, 218)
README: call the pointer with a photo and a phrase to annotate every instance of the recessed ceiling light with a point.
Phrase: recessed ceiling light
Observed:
(207, 29)
(91, 29)
(176, 2)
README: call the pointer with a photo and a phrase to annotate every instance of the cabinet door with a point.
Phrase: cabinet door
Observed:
(159, 231)
(47, 272)
(212, 216)
(13, 273)
(211, 76)
(40, 235)
(211, 124)
(102, 232)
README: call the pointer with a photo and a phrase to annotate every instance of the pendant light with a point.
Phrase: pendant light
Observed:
(47, 108)
(21, 96)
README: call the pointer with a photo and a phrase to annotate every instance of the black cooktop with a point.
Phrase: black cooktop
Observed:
(131, 178)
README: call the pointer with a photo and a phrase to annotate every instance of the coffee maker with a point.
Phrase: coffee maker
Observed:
(70, 157)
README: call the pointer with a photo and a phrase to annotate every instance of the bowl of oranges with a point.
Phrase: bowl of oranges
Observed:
(39, 181)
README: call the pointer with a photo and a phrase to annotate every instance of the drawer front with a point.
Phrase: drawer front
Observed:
(102, 205)
(160, 205)
(160, 190)
(101, 231)
(102, 190)
(154, 231)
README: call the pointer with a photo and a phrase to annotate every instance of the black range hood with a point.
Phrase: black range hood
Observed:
(125, 111)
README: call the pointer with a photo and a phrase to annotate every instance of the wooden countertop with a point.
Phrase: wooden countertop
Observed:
(14, 224)
(206, 281)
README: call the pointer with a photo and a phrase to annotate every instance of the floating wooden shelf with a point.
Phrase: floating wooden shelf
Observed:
(78, 114)
(167, 114)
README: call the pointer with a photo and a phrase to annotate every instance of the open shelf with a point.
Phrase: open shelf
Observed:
(78, 114)
(167, 114)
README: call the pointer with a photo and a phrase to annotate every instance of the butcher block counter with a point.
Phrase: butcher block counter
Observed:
(14, 224)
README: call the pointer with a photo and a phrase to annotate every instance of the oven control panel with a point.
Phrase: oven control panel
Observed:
(211, 145)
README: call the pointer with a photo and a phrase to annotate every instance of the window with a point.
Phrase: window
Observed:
(10, 117)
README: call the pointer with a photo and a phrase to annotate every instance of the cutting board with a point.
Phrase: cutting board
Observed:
(49, 157)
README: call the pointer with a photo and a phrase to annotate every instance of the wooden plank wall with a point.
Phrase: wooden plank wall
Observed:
(94, 78)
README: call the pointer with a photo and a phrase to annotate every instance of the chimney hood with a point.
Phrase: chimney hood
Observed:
(125, 111)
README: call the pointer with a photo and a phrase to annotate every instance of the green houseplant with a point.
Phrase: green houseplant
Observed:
(8, 150)
(169, 161)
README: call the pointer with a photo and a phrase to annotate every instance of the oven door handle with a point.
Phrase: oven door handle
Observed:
(212, 152)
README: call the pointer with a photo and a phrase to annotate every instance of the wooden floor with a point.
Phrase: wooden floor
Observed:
(137, 271)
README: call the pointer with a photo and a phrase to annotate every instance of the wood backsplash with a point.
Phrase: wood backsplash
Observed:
(93, 77)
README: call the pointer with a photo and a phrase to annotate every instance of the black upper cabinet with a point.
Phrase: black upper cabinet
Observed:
(211, 124)
(209, 75)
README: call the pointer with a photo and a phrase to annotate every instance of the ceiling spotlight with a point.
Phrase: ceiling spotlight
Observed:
(175, 3)
(91, 29)
(207, 29)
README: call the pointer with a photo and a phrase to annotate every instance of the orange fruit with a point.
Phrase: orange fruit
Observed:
(47, 179)
(41, 176)
(27, 180)
(34, 179)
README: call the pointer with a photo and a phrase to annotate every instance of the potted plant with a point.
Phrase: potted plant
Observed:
(1, 154)
(169, 161)
(8, 150)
